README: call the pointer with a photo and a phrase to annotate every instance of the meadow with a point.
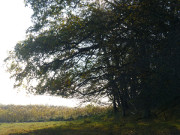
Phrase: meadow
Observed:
(41, 113)
(91, 127)
(89, 120)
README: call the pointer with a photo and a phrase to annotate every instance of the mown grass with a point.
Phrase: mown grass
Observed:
(22, 128)
(91, 126)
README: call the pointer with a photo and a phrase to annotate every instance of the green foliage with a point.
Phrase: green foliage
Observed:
(127, 51)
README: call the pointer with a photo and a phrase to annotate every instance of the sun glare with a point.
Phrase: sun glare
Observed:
(15, 19)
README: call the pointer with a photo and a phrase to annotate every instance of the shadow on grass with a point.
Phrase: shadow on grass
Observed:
(72, 128)
(66, 131)
(136, 128)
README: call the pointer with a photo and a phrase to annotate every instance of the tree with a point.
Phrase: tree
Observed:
(91, 50)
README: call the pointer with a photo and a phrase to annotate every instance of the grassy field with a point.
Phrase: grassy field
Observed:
(24, 128)
(15, 120)
(90, 126)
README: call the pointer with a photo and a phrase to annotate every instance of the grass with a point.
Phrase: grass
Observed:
(100, 124)
(22, 128)
(90, 126)
(39, 113)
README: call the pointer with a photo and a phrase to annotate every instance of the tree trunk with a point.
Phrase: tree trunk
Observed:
(115, 105)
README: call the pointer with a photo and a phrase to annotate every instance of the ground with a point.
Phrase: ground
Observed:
(89, 126)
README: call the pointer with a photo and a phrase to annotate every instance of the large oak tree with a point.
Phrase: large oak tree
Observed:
(126, 50)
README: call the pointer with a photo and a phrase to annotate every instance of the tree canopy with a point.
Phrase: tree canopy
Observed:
(126, 50)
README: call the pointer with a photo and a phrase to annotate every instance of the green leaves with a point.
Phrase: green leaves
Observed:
(89, 50)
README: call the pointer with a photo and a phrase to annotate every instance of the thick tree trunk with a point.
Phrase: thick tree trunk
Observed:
(115, 105)
(147, 113)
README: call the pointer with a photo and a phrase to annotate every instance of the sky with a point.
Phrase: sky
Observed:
(15, 18)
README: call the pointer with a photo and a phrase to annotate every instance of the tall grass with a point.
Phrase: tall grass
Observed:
(39, 113)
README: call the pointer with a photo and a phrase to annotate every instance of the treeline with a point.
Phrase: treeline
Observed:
(39, 113)
(126, 50)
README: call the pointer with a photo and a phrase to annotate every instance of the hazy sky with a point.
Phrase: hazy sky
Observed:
(15, 19)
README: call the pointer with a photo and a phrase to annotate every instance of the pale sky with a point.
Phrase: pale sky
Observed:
(15, 19)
